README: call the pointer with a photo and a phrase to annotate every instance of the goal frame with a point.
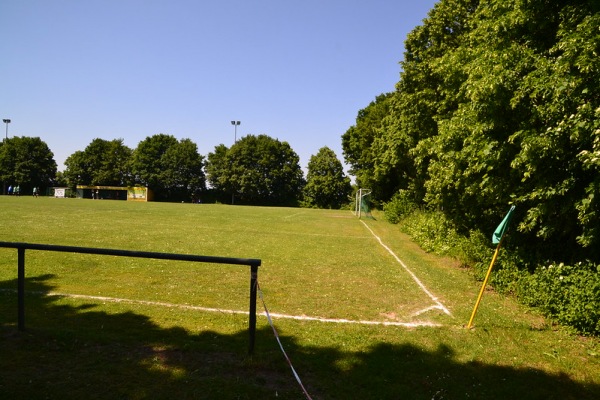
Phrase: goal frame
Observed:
(358, 202)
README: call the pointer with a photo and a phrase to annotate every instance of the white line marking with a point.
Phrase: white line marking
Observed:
(225, 311)
(423, 311)
(359, 322)
(438, 305)
(293, 215)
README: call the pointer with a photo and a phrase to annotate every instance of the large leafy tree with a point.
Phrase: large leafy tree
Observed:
(27, 162)
(183, 174)
(172, 169)
(257, 170)
(216, 174)
(360, 152)
(326, 184)
(103, 162)
(558, 171)
(424, 95)
(76, 171)
(469, 155)
(524, 116)
(147, 161)
(498, 103)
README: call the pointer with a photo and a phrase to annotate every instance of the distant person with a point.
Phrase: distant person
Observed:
(35, 191)
(17, 190)
(9, 190)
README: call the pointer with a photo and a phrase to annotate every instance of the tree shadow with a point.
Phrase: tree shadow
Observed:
(76, 352)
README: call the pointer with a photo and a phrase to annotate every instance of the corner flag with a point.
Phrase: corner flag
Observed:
(501, 229)
(496, 239)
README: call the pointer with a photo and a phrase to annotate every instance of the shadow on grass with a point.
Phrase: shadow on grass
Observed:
(70, 352)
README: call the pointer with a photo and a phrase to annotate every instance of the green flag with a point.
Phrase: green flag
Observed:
(501, 229)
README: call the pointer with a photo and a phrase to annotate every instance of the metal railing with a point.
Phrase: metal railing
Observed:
(21, 247)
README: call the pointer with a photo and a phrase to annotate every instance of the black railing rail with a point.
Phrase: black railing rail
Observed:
(21, 247)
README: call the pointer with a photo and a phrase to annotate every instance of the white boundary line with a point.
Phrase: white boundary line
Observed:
(438, 305)
(293, 215)
(225, 311)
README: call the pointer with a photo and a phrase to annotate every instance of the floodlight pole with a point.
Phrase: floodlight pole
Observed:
(6, 121)
(235, 125)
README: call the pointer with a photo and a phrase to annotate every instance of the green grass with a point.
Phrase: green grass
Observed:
(320, 263)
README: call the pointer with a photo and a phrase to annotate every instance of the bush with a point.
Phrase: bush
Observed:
(570, 295)
(436, 234)
(567, 294)
(433, 232)
(398, 207)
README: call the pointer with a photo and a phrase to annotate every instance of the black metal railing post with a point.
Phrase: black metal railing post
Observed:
(21, 288)
(252, 315)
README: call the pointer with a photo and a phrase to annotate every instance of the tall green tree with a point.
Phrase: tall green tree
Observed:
(103, 162)
(326, 184)
(147, 163)
(524, 114)
(76, 171)
(425, 93)
(172, 169)
(27, 162)
(498, 103)
(556, 163)
(258, 170)
(183, 174)
(216, 167)
(360, 152)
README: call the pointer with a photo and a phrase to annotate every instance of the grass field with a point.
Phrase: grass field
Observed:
(96, 330)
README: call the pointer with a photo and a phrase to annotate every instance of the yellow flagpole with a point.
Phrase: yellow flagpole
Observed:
(487, 276)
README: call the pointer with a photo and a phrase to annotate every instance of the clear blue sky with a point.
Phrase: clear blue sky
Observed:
(298, 71)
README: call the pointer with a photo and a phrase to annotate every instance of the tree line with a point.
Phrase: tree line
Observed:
(498, 103)
(256, 170)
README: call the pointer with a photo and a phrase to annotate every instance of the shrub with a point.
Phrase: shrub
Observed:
(432, 231)
(436, 234)
(567, 294)
(399, 206)
(570, 295)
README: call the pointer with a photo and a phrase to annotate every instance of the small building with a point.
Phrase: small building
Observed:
(132, 193)
(139, 193)
(59, 192)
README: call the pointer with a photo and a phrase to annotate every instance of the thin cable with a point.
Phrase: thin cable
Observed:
(279, 342)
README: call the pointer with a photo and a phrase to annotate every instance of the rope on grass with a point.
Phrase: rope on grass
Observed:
(279, 342)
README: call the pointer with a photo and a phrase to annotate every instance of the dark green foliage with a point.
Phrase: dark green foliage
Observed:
(183, 174)
(172, 169)
(399, 206)
(216, 172)
(102, 162)
(498, 103)
(360, 145)
(27, 162)
(569, 294)
(146, 162)
(256, 170)
(435, 233)
(326, 184)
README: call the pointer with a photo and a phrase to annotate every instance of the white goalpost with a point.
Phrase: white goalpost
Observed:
(362, 205)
